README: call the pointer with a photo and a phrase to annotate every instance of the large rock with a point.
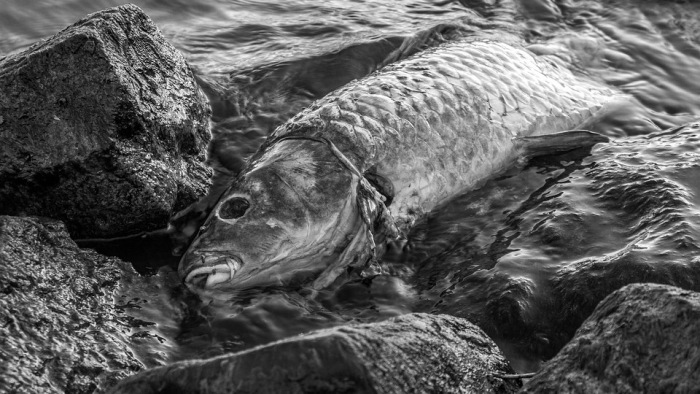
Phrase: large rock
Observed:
(411, 353)
(642, 338)
(60, 330)
(103, 127)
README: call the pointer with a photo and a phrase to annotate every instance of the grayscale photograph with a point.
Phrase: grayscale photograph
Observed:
(356, 196)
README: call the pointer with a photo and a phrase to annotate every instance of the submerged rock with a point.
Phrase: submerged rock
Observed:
(529, 256)
(641, 338)
(103, 127)
(60, 329)
(646, 185)
(410, 353)
(578, 288)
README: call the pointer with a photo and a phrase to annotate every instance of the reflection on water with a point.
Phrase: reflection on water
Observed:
(220, 35)
(528, 255)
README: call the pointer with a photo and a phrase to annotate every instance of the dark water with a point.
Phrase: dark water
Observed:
(527, 255)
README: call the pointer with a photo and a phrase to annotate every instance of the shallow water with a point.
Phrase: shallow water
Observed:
(502, 256)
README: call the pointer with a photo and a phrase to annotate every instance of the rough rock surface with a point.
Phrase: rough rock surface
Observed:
(642, 338)
(647, 185)
(577, 289)
(103, 127)
(59, 328)
(411, 353)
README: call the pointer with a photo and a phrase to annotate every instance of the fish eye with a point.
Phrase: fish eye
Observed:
(233, 208)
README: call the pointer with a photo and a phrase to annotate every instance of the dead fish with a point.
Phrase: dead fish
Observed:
(361, 165)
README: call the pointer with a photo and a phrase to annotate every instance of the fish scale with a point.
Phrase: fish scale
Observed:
(444, 120)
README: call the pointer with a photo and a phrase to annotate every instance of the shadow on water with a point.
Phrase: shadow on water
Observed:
(147, 252)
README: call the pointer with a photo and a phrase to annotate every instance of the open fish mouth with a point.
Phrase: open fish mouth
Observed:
(215, 270)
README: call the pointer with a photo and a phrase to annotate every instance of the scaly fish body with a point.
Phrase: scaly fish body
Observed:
(429, 126)
(441, 122)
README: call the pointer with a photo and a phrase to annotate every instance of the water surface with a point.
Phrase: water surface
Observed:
(508, 256)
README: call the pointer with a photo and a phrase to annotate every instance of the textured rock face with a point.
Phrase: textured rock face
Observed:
(411, 353)
(60, 330)
(103, 126)
(577, 289)
(641, 338)
(646, 185)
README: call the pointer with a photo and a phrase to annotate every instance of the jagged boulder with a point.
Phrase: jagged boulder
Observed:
(103, 127)
(411, 353)
(60, 330)
(642, 338)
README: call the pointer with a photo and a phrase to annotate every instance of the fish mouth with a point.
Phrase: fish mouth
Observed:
(214, 271)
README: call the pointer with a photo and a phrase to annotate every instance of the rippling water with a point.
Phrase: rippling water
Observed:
(529, 254)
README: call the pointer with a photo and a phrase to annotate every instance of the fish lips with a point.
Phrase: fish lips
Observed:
(214, 270)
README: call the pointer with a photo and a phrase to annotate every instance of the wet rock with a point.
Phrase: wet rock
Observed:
(578, 288)
(410, 353)
(529, 256)
(641, 338)
(103, 127)
(646, 185)
(60, 330)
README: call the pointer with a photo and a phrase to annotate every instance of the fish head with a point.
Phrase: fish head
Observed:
(291, 213)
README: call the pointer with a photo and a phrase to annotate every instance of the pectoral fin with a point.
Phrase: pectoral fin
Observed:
(564, 141)
(356, 254)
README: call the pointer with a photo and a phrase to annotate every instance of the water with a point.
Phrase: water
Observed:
(526, 257)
